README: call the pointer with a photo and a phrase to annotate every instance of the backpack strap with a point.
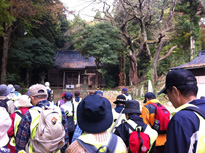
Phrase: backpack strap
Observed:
(87, 147)
(196, 109)
(110, 147)
(73, 108)
(143, 127)
(116, 122)
(141, 141)
(17, 112)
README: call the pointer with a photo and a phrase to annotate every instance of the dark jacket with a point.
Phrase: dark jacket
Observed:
(181, 129)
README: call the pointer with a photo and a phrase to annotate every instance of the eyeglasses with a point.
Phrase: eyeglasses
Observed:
(166, 97)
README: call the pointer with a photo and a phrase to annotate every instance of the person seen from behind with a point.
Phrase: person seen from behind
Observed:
(149, 117)
(23, 105)
(134, 122)
(118, 116)
(4, 100)
(26, 132)
(185, 132)
(94, 115)
(69, 110)
(125, 93)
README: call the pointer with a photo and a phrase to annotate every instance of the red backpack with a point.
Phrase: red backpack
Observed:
(162, 118)
(139, 142)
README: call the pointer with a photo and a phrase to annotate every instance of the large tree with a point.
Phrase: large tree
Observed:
(30, 54)
(101, 41)
(192, 10)
(25, 12)
(154, 21)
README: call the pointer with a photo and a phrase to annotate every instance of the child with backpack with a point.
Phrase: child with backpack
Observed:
(23, 105)
(158, 117)
(138, 137)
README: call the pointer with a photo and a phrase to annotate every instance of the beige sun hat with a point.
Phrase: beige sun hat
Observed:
(24, 101)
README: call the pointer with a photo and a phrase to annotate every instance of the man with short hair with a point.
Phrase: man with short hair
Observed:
(183, 132)
(125, 93)
(149, 117)
(38, 95)
(94, 115)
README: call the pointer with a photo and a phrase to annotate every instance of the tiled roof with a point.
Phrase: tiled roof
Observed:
(198, 62)
(73, 60)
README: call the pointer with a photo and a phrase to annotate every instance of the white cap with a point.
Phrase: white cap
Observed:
(5, 124)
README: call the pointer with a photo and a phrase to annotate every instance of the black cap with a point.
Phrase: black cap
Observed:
(149, 95)
(132, 106)
(120, 99)
(177, 78)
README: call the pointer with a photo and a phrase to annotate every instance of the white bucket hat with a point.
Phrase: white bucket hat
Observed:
(5, 124)
(23, 101)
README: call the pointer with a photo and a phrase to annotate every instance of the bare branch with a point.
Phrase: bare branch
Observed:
(168, 53)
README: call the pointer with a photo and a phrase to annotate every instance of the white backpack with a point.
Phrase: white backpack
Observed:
(50, 133)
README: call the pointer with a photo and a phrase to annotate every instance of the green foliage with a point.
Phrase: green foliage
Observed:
(5, 16)
(101, 41)
(32, 53)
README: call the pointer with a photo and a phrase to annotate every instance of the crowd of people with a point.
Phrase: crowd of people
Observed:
(34, 123)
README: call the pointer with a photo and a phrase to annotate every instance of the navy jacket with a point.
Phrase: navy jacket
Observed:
(182, 128)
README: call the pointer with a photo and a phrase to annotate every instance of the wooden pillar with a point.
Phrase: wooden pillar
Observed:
(78, 77)
(63, 79)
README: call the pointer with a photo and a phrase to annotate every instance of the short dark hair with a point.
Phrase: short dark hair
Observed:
(186, 90)
(41, 97)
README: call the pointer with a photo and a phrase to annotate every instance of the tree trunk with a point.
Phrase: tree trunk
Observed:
(156, 57)
(133, 77)
(192, 41)
(6, 39)
(122, 81)
(27, 77)
(96, 78)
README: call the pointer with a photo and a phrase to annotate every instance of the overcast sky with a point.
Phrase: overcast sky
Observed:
(83, 7)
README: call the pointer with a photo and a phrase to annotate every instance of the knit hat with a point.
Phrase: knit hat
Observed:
(5, 124)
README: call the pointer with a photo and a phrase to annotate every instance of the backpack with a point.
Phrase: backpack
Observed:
(71, 123)
(162, 118)
(3, 103)
(50, 133)
(110, 147)
(139, 142)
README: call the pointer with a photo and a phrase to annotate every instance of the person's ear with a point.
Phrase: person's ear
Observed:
(176, 92)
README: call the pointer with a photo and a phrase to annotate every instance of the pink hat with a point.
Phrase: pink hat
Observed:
(5, 124)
